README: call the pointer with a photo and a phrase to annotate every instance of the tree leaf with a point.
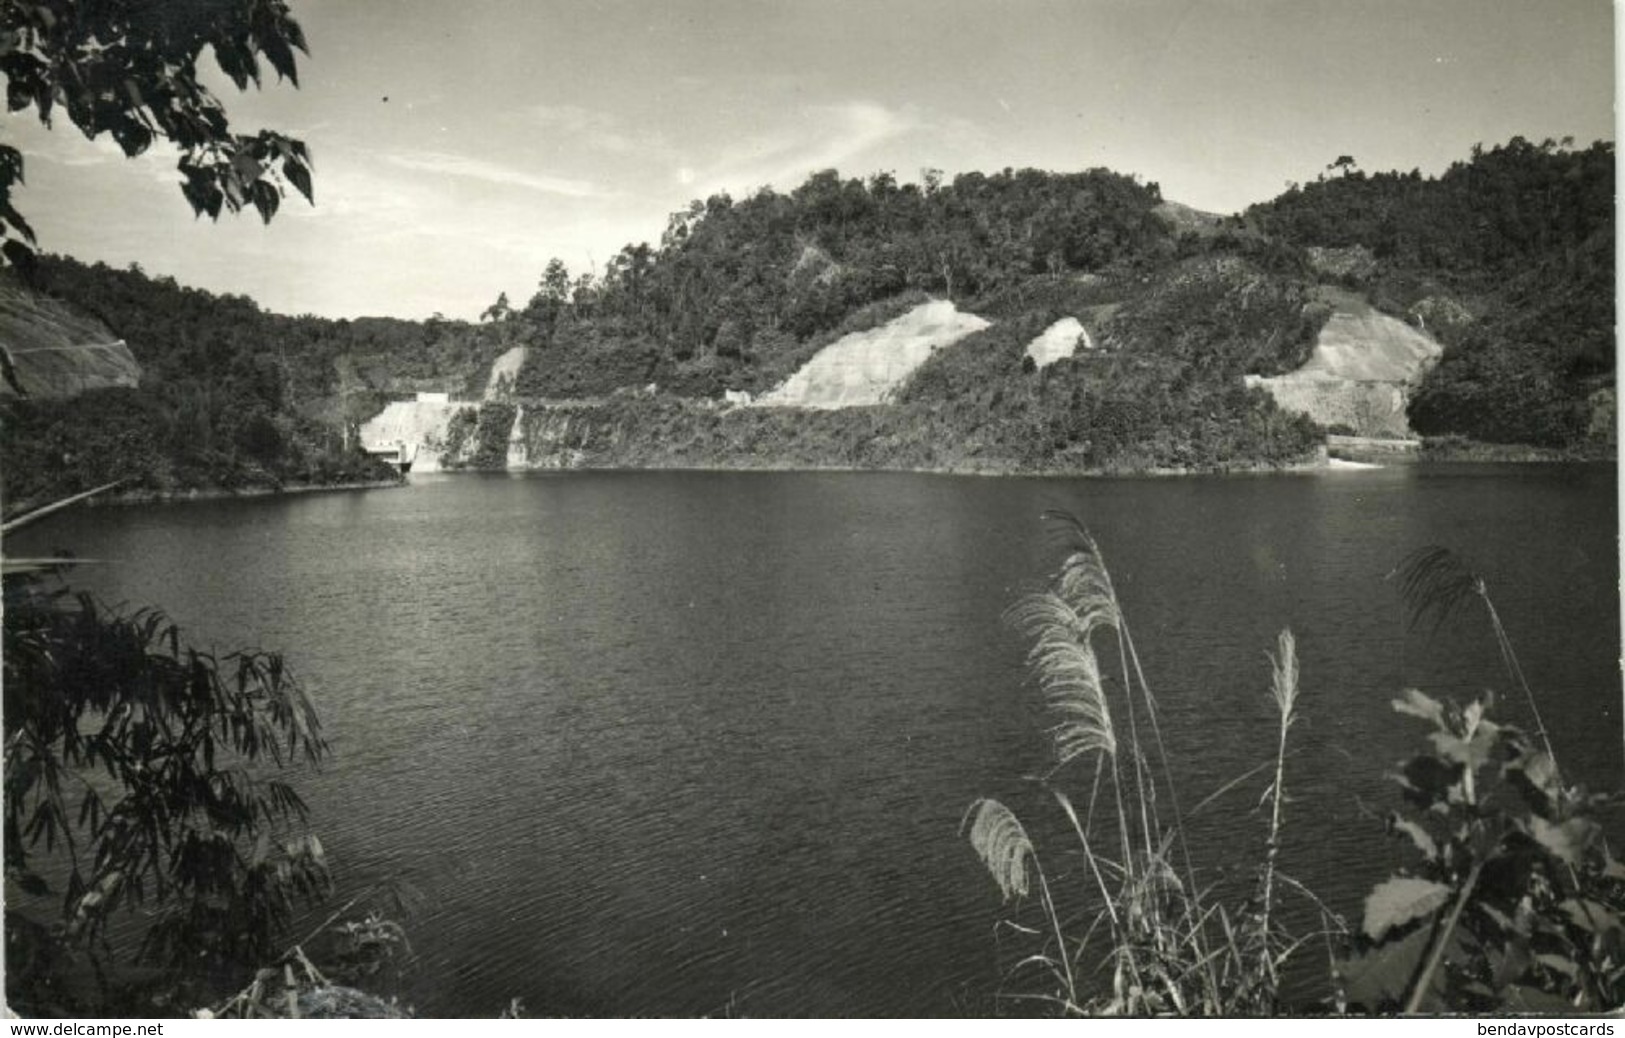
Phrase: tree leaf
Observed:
(31, 884)
(1415, 703)
(1398, 823)
(1474, 750)
(1567, 841)
(1535, 776)
(1398, 901)
(299, 175)
(1427, 780)
(1534, 1000)
(1558, 964)
(1591, 916)
(266, 199)
(1383, 974)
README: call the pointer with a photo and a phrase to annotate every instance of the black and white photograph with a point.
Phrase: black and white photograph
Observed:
(810, 509)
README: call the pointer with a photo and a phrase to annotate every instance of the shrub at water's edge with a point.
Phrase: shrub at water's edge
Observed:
(155, 850)
(131, 753)
(1516, 902)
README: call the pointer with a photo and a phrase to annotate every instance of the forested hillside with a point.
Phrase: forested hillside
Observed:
(230, 397)
(739, 293)
(1506, 258)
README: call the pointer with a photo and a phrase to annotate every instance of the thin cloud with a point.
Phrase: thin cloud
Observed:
(493, 173)
(828, 136)
(595, 129)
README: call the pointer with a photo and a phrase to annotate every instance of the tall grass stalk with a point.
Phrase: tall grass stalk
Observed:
(1284, 690)
(1002, 841)
(1171, 951)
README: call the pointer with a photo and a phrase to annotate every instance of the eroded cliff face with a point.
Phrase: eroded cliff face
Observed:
(1364, 367)
(563, 436)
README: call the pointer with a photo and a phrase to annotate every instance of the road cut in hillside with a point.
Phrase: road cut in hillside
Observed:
(866, 367)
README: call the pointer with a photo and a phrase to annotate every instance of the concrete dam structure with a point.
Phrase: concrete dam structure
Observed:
(412, 432)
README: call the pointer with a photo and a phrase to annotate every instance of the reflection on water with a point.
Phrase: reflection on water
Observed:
(671, 743)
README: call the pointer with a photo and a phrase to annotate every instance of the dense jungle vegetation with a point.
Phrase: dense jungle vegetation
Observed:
(1507, 258)
(231, 396)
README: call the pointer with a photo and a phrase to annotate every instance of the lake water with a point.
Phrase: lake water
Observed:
(686, 743)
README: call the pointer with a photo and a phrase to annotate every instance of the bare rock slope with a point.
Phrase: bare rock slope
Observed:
(1059, 340)
(1364, 367)
(57, 351)
(866, 367)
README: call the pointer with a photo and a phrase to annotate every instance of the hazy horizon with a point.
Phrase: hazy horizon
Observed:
(457, 150)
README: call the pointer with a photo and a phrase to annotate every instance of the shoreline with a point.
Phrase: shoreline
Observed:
(1293, 468)
(1324, 463)
(1511, 453)
(147, 497)
(1237, 468)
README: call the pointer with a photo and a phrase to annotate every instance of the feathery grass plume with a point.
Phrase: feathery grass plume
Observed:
(1004, 846)
(1001, 841)
(1083, 581)
(1063, 657)
(1284, 690)
(1068, 672)
(1284, 687)
(1436, 580)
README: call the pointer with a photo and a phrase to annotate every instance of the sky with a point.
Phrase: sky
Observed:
(459, 146)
